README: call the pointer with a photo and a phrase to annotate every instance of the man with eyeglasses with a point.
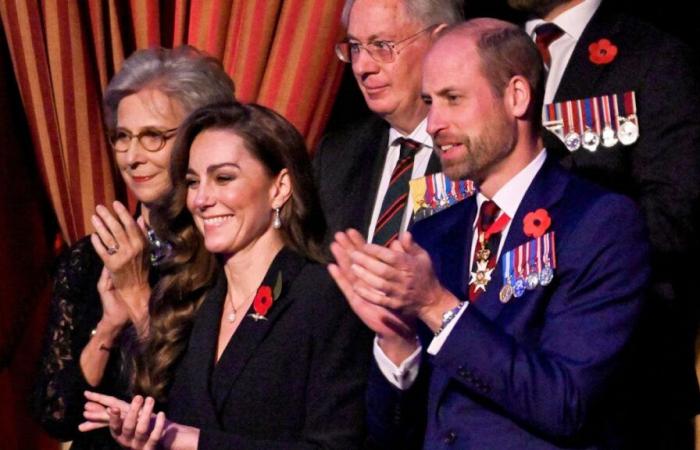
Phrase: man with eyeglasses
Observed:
(363, 170)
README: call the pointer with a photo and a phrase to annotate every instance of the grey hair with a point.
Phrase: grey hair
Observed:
(427, 12)
(185, 74)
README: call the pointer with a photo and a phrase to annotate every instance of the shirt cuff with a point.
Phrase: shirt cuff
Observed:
(439, 340)
(402, 376)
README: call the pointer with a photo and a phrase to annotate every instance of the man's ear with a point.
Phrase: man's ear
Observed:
(281, 189)
(518, 96)
(437, 31)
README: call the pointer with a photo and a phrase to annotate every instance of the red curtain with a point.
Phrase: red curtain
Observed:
(279, 53)
(63, 52)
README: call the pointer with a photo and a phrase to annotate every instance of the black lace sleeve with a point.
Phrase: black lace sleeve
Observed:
(75, 310)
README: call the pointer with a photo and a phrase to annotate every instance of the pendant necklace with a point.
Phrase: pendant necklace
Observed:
(232, 315)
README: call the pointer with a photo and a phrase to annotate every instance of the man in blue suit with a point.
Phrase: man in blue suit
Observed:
(524, 298)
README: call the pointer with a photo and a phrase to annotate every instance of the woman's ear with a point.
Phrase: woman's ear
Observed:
(281, 189)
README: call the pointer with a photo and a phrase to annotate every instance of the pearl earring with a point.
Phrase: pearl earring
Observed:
(277, 222)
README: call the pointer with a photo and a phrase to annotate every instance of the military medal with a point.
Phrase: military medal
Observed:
(628, 129)
(506, 293)
(481, 276)
(433, 193)
(591, 137)
(518, 288)
(546, 275)
(552, 120)
(627, 132)
(572, 138)
(608, 134)
(548, 258)
(528, 266)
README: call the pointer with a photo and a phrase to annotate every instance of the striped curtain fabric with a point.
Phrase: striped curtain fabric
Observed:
(278, 52)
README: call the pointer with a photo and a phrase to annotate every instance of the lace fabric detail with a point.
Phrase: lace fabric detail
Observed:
(75, 310)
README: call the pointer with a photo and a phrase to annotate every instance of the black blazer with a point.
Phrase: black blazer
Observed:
(662, 169)
(661, 172)
(293, 381)
(348, 168)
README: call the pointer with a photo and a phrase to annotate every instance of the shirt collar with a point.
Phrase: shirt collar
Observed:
(419, 134)
(572, 21)
(510, 195)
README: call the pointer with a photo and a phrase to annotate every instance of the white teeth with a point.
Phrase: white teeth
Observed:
(216, 220)
(444, 148)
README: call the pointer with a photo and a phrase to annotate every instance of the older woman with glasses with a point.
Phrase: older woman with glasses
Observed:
(103, 282)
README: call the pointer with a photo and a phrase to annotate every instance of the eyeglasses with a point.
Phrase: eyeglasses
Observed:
(380, 51)
(151, 139)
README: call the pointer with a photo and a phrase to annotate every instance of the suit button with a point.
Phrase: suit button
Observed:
(465, 373)
(450, 438)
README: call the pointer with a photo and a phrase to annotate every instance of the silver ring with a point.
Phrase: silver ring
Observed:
(112, 249)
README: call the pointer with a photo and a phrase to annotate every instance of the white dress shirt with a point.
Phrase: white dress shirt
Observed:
(420, 165)
(572, 21)
(508, 199)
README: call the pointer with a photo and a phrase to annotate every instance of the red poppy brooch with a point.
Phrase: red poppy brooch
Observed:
(536, 223)
(602, 52)
(265, 297)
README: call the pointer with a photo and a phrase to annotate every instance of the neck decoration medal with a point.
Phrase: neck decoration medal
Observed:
(482, 275)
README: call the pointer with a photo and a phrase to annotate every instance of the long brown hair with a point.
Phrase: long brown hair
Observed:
(191, 270)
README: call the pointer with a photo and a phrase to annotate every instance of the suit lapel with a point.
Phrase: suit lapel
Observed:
(544, 192)
(251, 333)
(199, 358)
(433, 164)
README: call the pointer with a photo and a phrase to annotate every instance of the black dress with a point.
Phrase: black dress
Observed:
(76, 309)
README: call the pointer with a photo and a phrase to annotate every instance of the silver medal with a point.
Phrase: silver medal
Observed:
(532, 281)
(572, 141)
(628, 132)
(546, 275)
(608, 136)
(590, 140)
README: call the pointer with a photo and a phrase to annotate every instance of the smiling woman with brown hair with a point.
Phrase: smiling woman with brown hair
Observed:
(251, 344)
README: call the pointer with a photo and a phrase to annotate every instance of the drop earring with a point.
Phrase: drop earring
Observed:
(277, 222)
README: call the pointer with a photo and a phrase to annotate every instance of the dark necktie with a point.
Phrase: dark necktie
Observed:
(395, 199)
(486, 249)
(545, 34)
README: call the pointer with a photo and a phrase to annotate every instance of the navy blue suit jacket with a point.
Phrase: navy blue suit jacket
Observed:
(541, 371)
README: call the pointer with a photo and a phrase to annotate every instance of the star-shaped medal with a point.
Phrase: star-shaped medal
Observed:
(481, 277)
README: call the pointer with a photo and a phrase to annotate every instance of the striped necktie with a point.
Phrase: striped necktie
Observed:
(395, 199)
